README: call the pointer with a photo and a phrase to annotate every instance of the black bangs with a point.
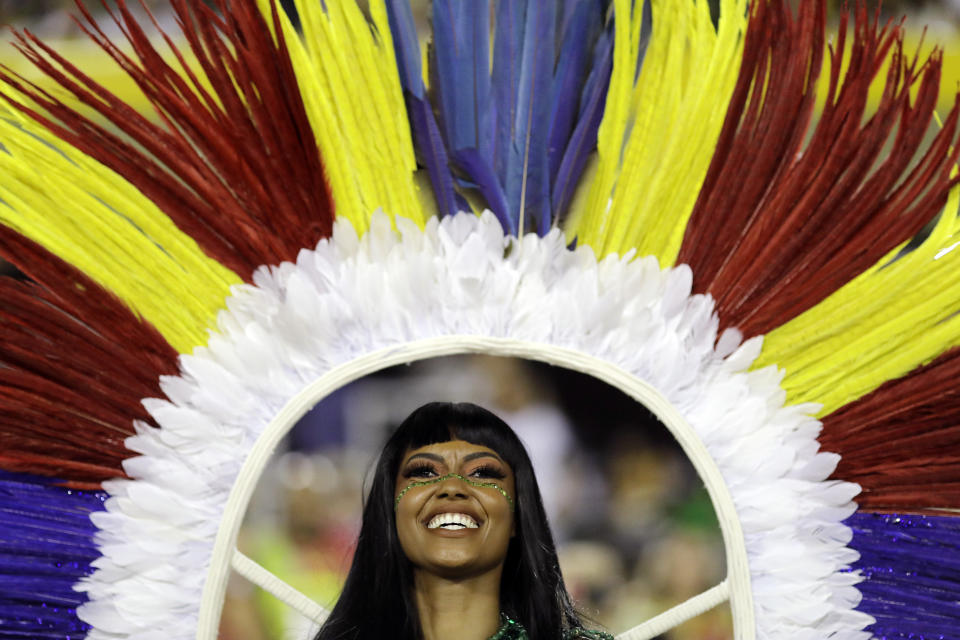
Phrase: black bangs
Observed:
(444, 421)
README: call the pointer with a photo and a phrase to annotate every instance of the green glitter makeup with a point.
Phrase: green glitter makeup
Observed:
(473, 483)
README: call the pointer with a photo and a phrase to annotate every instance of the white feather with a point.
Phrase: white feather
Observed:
(353, 295)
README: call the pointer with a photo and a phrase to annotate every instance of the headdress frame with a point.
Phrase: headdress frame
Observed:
(735, 587)
(305, 329)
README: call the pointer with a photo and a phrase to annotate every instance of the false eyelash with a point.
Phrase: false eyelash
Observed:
(418, 471)
(489, 471)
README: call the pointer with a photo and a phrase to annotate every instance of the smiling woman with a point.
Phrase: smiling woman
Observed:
(454, 541)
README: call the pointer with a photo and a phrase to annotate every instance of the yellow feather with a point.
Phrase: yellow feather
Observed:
(348, 76)
(895, 316)
(659, 132)
(613, 128)
(104, 70)
(118, 237)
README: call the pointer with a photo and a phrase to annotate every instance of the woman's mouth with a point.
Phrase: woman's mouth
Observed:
(452, 522)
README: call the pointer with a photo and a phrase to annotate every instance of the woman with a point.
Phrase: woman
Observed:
(454, 542)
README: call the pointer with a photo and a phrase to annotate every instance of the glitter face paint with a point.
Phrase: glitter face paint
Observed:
(473, 483)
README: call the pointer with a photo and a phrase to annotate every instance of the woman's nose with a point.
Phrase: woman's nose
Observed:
(452, 486)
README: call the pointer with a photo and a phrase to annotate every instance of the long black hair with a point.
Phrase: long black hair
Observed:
(377, 600)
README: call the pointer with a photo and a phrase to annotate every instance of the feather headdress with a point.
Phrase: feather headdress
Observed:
(666, 208)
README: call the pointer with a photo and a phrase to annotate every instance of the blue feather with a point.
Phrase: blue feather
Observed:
(584, 137)
(582, 29)
(507, 44)
(485, 126)
(528, 172)
(406, 46)
(426, 134)
(567, 10)
(911, 568)
(461, 53)
(519, 132)
(602, 57)
(433, 153)
(46, 546)
(443, 66)
(485, 180)
(471, 85)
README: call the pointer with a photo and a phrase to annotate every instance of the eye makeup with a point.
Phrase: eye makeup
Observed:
(422, 469)
(419, 470)
(487, 470)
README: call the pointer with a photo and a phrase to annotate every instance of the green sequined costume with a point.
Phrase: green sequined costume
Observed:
(512, 630)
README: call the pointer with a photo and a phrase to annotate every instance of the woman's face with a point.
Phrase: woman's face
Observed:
(450, 526)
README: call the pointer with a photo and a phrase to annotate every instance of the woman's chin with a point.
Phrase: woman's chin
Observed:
(452, 563)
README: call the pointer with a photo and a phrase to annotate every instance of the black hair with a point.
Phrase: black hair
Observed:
(377, 600)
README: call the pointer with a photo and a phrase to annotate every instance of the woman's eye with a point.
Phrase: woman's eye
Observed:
(420, 472)
(487, 471)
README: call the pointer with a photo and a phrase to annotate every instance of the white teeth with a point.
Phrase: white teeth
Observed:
(452, 521)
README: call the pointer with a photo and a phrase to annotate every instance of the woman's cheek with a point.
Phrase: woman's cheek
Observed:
(407, 515)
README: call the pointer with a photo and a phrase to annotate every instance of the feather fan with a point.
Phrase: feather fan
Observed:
(639, 130)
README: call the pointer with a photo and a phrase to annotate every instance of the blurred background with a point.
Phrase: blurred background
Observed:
(635, 529)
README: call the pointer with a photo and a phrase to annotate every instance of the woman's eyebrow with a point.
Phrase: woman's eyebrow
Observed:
(428, 456)
(467, 458)
(482, 454)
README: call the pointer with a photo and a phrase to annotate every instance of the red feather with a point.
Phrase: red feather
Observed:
(75, 364)
(239, 171)
(901, 442)
(780, 224)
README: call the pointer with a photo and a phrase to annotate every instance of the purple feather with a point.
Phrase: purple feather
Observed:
(432, 152)
(484, 129)
(46, 546)
(507, 45)
(528, 174)
(584, 138)
(406, 46)
(912, 569)
(516, 130)
(461, 56)
(486, 182)
(566, 13)
(569, 78)
(426, 134)
(444, 55)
